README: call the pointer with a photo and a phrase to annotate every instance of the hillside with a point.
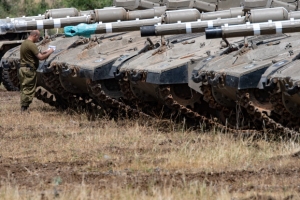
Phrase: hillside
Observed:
(14, 8)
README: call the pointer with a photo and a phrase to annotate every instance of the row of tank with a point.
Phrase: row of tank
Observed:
(244, 83)
(14, 30)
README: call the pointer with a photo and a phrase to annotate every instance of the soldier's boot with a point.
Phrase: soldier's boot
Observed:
(24, 108)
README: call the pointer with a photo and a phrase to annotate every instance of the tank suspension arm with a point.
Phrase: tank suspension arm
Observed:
(292, 90)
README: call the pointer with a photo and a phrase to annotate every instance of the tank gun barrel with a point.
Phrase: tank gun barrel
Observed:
(22, 25)
(186, 28)
(99, 15)
(248, 29)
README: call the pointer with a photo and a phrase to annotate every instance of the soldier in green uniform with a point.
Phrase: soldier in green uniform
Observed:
(30, 57)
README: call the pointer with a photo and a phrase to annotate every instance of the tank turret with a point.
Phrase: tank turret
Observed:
(260, 73)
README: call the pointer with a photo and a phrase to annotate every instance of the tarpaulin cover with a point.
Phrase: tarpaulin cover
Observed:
(85, 30)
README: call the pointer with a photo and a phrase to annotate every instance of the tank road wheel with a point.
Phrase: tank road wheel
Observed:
(111, 87)
(261, 100)
(258, 105)
(229, 118)
(184, 95)
(10, 79)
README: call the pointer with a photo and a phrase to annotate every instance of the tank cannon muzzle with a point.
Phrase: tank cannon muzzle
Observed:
(212, 33)
(147, 31)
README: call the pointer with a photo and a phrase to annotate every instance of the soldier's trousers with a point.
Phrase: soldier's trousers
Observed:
(28, 80)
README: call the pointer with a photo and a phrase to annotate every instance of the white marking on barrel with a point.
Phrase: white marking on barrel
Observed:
(188, 28)
(39, 24)
(256, 29)
(278, 27)
(108, 27)
(210, 24)
(57, 23)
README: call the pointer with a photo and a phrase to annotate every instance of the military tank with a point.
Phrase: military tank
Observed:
(264, 74)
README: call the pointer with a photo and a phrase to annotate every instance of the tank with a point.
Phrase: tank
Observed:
(252, 74)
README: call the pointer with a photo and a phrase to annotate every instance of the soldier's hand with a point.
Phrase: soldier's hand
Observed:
(50, 50)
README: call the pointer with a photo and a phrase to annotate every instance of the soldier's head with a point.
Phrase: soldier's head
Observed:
(34, 35)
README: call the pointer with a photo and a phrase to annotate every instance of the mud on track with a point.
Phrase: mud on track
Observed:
(47, 146)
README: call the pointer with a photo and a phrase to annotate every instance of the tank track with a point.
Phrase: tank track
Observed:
(284, 117)
(228, 116)
(128, 94)
(157, 109)
(118, 106)
(45, 96)
(260, 116)
(77, 103)
(10, 79)
(166, 95)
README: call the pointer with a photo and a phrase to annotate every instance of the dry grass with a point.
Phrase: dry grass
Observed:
(47, 153)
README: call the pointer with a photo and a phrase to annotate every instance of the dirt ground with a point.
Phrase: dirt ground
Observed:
(52, 152)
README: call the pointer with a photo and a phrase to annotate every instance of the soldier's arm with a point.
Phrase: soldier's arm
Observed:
(45, 54)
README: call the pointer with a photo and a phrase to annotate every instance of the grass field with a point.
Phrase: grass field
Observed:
(48, 154)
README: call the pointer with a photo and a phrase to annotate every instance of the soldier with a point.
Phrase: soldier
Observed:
(30, 57)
